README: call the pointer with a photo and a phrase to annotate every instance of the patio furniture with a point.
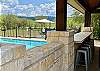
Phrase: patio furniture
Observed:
(78, 57)
(87, 46)
(81, 47)
(79, 39)
(88, 52)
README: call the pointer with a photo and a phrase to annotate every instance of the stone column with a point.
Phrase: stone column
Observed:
(67, 38)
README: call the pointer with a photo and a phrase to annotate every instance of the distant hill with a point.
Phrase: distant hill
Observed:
(32, 18)
(41, 17)
(51, 18)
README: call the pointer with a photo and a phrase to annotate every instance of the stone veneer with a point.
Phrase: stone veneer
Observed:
(58, 55)
(67, 38)
(45, 58)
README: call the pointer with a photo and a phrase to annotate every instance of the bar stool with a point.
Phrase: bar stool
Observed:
(88, 47)
(85, 52)
(88, 53)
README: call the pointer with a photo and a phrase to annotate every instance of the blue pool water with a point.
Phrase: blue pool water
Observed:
(29, 43)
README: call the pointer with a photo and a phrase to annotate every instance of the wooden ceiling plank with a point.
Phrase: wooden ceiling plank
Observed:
(90, 5)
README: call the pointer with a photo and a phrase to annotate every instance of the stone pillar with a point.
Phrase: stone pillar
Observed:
(67, 38)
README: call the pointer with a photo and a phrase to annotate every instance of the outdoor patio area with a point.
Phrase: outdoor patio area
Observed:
(67, 43)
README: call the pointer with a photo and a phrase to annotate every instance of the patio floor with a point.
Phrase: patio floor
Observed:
(95, 65)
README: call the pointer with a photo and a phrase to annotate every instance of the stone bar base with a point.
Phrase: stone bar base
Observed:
(44, 58)
(67, 38)
(58, 55)
(12, 57)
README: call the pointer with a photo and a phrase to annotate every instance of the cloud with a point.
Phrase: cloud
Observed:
(21, 14)
(47, 9)
(30, 5)
(4, 7)
(13, 1)
(44, 9)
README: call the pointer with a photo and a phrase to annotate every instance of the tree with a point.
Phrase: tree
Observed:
(96, 25)
(75, 20)
(8, 21)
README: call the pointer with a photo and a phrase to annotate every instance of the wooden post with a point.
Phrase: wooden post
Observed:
(87, 19)
(61, 15)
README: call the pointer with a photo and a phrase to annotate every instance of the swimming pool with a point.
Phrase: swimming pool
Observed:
(29, 43)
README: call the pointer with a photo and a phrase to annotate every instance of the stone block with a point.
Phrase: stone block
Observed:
(60, 33)
(43, 65)
(16, 50)
(14, 65)
(6, 55)
(66, 40)
(20, 64)
(19, 51)
(53, 34)
(68, 48)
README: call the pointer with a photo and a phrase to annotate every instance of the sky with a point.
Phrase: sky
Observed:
(69, 10)
(35, 1)
(30, 8)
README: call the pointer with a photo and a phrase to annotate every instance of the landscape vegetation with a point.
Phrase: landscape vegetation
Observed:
(77, 20)
(11, 23)
(22, 26)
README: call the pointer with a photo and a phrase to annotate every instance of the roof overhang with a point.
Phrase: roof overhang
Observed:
(76, 5)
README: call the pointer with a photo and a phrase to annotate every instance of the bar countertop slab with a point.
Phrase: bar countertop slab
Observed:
(81, 36)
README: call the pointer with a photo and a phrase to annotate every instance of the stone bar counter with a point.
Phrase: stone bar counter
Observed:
(10, 56)
(67, 38)
(58, 55)
(44, 58)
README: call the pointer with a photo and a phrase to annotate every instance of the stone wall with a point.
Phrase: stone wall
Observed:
(58, 55)
(12, 57)
(45, 58)
(67, 38)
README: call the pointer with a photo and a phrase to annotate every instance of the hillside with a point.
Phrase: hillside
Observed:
(51, 18)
